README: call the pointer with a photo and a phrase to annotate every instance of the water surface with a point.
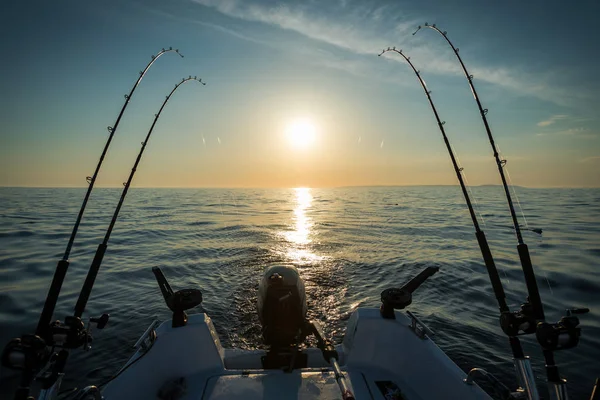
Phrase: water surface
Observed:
(348, 243)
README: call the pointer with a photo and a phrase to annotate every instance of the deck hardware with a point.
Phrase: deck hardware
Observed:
(499, 388)
(400, 298)
(419, 327)
(557, 384)
(147, 338)
(178, 301)
(90, 392)
(97, 261)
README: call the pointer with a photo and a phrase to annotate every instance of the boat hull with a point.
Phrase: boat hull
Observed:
(380, 357)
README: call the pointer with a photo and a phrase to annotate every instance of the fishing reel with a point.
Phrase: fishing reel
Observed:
(31, 352)
(72, 333)
(562, 335)
(520, 322)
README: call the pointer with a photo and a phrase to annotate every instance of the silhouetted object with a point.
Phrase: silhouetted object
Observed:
(63, 264)
(512, 323)
(535, 309)
(400, 298)
(481, 239)
(178, 301)
(532, 289)
(86, 290)
(596, 391)
(28, 343)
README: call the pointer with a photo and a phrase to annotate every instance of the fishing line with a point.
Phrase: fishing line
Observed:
(551, 337)
(514, 191)
(477, 208)
(548, 282)
(97, 261)
(512, 186)
(480, 235)
(500, 163)
(63, 264)
(511, 323)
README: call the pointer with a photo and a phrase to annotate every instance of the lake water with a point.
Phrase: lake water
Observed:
(348, 243)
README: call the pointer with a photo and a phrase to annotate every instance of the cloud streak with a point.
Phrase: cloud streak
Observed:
(551, 120)
(365, 30)
(589, 160)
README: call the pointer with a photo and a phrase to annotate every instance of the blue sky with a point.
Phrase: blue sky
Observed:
(67, 65)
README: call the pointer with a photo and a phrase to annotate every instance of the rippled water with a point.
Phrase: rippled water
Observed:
(348, 243)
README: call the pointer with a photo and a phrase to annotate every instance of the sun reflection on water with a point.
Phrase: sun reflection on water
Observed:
(302, 221)
(301, 236)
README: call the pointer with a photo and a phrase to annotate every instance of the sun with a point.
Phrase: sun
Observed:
(301, 133)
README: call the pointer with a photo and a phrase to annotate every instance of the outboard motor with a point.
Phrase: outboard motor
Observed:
(281, 305)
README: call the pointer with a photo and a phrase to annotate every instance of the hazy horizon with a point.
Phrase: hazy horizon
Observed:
(292, 187)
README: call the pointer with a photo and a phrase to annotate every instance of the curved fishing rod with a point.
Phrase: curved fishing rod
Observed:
(63, 264)
(532, 311)
(522, 362)
(95, 267)
(485, 249)
(530, 281)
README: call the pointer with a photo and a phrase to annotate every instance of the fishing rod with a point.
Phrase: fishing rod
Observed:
(63, 263)
(532, 288)
(483, 112)
(97, 261)
(523, 363)
(532, 311)
(30, 353)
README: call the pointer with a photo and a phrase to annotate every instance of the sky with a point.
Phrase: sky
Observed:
(274, 66)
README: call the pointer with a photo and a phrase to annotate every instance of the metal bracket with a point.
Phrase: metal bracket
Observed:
(502, 390)
(147, 339)
(52, 391)
(417, 326)
(90, 392)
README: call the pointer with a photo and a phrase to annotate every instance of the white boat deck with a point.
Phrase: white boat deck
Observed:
(378, 356)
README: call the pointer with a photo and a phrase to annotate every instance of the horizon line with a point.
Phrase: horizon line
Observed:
(287, 187)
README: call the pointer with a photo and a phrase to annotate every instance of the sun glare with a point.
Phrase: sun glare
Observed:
(301, 133)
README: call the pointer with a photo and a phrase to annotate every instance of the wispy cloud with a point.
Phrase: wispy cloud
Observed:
(364, 29)
(584, 133)
(552, 120)
(296, 18)
(589, 160)
(574, 131)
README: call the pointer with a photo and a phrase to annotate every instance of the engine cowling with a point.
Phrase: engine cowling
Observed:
(281, 305)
